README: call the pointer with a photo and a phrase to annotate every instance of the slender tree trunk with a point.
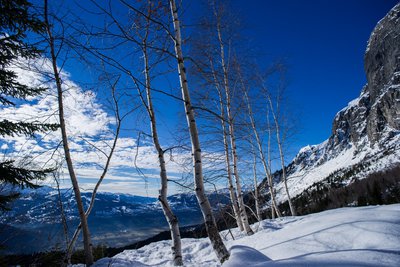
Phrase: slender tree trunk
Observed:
(212, 230)
(273, 213)
(256, 193)
(169, 215)
(242, 207)
(232, 193)
(261, 152)
(281, 156)
(102, 176)
(87, 244)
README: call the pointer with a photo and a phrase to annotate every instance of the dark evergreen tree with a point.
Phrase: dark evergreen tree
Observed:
(16, 21)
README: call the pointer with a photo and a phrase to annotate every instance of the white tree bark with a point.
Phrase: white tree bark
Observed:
(261, 152)
(169, 215)
(87, 243)
(269, 160)
(232, 193)
(281, 156)
(242, 207)
(256, 193)
(212, 230)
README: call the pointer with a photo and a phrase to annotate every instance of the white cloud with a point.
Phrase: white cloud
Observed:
(89, 128)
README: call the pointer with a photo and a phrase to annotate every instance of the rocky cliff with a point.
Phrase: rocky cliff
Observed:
(382, 66)
(366, 133)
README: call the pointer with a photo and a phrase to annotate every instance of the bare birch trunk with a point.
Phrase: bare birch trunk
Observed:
(281, 156)
(262, 154)
(256, 193)
(87, 244)
(232, 193)
(273, 213)
(212, 230)
(169, 215)
(242, 207)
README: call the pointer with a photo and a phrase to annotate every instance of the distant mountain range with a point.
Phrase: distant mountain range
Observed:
(35, 221)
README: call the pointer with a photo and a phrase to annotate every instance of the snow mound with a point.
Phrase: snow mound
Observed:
(246, 256)
(362, 236)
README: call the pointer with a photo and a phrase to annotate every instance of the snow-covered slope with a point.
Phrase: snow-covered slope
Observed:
(367, 236)
(366, 133)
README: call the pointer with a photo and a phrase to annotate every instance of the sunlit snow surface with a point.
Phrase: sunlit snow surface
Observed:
(363, 236)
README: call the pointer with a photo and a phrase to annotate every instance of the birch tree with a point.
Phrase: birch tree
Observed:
(212, 230)
(148, 104)
(232, 193)
(108, 155)
(205, 68)
(141, 34)
(231, 127)
(265, 163)
(274, 109)
(87, 243)
(216, 34)
(209, 73)
(255, 182)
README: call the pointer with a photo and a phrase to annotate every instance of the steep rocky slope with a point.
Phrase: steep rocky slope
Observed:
(365, 135)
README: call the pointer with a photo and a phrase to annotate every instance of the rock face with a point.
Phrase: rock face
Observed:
(368, 129)
(382, 66)
(376, 113)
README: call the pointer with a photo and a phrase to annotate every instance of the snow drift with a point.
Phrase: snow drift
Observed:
(363, 236)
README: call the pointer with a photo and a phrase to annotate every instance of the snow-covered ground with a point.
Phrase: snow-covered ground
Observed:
(362, 236)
